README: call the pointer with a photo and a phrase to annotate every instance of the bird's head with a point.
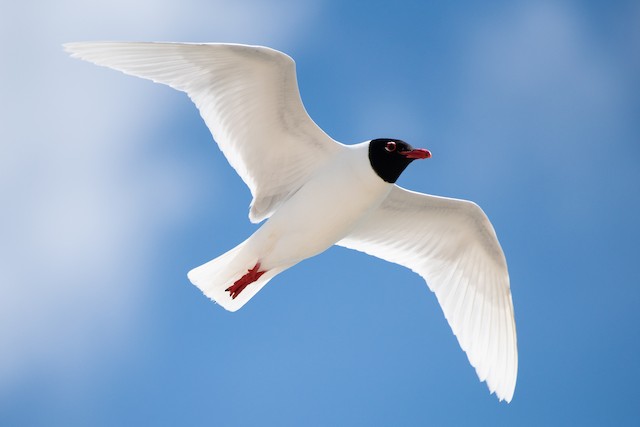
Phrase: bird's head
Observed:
(389, 157)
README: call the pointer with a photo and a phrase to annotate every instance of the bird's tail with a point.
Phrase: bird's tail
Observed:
(217, 275)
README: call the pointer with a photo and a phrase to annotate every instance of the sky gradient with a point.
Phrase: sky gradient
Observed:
(113, 190)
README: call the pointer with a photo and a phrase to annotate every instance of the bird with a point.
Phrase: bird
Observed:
(311, 192)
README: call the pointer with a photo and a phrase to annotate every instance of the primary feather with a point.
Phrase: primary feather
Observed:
(453, 246)
(248, 97)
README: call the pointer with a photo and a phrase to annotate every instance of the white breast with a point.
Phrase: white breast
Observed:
(323, 211)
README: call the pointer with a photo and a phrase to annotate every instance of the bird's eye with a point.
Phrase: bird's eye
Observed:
(390, 147)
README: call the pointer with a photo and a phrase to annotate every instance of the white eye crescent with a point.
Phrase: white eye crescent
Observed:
(390, 147)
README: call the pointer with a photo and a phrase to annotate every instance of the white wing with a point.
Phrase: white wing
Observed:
(453, 246)
(249, 99)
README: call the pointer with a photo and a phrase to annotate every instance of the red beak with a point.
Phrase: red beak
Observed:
(418, 153)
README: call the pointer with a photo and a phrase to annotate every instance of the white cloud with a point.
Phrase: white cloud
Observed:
(77, 233)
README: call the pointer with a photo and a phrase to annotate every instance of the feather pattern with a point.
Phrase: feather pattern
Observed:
(452, 245)
(247, 95)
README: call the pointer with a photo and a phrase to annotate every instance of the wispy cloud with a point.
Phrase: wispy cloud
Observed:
(76, 224)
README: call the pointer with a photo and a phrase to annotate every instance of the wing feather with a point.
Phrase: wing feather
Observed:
(248, 97)
(453, 246)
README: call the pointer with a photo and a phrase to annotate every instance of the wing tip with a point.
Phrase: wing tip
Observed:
(504, 389)
(80, 50)
(72, 48)
(505, 396)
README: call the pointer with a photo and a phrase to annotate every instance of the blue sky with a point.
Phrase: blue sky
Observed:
(113, 190)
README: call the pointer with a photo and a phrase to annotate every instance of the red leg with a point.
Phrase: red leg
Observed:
(239, 285)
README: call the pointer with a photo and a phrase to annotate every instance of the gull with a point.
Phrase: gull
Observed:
(313, 192)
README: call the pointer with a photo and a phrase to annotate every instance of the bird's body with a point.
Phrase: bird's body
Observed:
(313, 219)
(315, 192)
(323, 211)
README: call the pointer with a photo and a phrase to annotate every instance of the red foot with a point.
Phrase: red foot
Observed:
(239, 285)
